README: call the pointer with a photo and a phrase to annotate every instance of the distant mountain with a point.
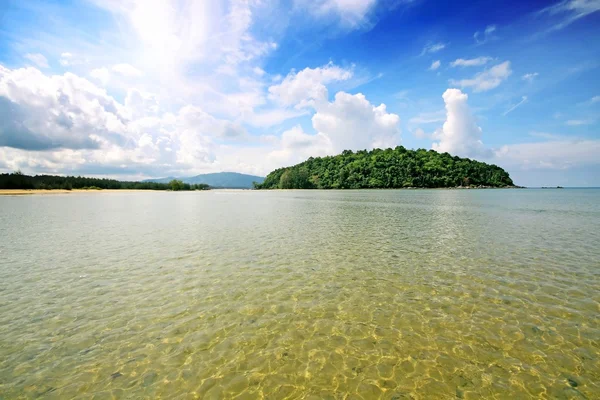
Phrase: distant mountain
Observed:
(231, 180)
(161, 180)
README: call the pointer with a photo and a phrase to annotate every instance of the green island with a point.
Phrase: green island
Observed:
(388, 169)
(18, 180)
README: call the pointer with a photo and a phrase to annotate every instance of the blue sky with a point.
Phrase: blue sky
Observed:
(135, 89)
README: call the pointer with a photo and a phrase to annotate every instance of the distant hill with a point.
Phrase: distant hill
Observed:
(389, 168)
(231, 180)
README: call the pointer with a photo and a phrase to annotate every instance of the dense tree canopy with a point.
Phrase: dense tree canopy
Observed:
(389, 168)
(18, 180)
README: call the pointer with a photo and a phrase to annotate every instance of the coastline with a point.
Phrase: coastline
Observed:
(29, 192)
(26, 192)
(406, 188)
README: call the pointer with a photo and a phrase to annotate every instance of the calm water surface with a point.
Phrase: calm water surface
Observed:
(421, 294)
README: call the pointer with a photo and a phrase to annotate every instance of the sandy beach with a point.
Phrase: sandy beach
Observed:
(23, 192)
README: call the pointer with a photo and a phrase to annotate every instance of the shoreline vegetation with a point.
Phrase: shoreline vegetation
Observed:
(397, 168)
(26, 184)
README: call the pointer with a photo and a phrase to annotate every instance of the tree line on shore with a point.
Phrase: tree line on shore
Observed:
(18, 180)
(389, 168)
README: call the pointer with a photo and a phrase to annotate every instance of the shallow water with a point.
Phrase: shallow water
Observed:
(419, 294)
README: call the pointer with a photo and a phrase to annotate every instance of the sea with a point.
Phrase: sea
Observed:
(367, 294)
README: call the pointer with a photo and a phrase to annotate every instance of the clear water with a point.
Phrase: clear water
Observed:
(419, 294)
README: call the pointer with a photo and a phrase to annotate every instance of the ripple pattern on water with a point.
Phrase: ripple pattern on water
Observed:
(341, 295)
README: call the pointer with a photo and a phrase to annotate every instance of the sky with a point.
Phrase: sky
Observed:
(134, 89)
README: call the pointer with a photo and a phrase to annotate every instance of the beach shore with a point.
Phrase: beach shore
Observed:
(22, 192)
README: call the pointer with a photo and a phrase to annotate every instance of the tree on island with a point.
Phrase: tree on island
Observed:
(18, 180)
(176, 185)
(389, 168)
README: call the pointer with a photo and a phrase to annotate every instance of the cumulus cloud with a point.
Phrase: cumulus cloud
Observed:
(352, 122)
(595, 99)
(66, 111)
(472, 62)
(460, 134)
(127, 70)
(101, 74)
(435, 65)
(304, 88)
(66, 123)
(486, 35)
(486, 80)
(141, 104)
(267, 118)
(37, 59)
(295, 146)
(433, 48)
(347, 122)
(530, 76)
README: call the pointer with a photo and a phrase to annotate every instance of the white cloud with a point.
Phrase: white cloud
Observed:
(488, 79)
(514, 107)
(473, 62)
(65, 59)
(37, 59)
(352, 122)
(486, 35)
(579, 122)
(258, 71)
(101, 74)
(530, 76)
(595, 99)
(127, 70)
(141, 104)
(302, 89)
(433, 48)
(68, 60)
(550, 136)
(272, 117)
(174, 33)
(296, 146)
(435, 65)
(66, 123)
(552, 154)
(351, 14)
(47, 112)
(200, 52)
(566, 12)
(460, 134)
